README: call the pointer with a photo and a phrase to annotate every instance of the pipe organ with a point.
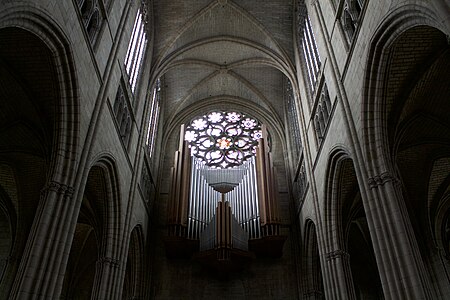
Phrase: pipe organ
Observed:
(203, 200)
(223, 216)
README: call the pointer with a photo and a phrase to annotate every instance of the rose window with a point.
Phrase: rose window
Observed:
(223, 139)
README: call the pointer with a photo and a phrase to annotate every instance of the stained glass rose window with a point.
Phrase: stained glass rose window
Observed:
(223, 139)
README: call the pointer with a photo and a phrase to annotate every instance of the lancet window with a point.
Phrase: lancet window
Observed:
(91, 17)
(122, 112)
(154, 118)
(323, 113)
(292, 118)
(137, 46)
(307, 45)
(350, 17)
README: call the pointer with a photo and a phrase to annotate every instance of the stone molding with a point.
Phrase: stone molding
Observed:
(108, 261)
(381, 179)
(58, 188)
(337, 254)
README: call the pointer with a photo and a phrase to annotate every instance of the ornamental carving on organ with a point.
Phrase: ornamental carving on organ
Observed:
(223, 139)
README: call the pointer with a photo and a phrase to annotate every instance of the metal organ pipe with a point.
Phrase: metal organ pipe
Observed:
(254, 201)
(203, 201)
(243, 198)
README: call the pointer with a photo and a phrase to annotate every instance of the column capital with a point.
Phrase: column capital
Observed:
(108, 261)
(337, 254)
(381, 179)
(59, 188)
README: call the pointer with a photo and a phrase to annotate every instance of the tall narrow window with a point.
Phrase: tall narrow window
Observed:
(136, 47)
(307, 45)
(91, 17)
(123, 116)
(154, 118)
(292, 116)
(351, 17)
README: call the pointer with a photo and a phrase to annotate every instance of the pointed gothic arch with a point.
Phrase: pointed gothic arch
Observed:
(95, 250)
(52, 130)
(313, 284)
(134, 274)
(406, 131)
(349, 252)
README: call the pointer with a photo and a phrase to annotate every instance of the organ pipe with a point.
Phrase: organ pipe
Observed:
(267, 190)
(181, 185)
(202, 202)
(197, 210)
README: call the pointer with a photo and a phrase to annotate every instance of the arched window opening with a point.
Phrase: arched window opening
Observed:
(326, 99)
(318, 128)
(122, 113)
(351, 17)
(308, 47)
(323, 114)
(137, 46)
(90, 17)
(93, 25)
(292, 117)
(349, 27)
(153, 119)
(358, 6)
(85, 6)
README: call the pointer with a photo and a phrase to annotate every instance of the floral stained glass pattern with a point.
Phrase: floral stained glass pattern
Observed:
(223, 139)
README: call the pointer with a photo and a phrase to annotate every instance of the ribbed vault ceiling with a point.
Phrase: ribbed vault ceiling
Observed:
(212, 49)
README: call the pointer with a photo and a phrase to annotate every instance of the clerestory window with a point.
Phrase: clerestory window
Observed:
(292, 117)
(136, 47)
(307, 44)
(122, 112)
(154, 118)
(91, 18)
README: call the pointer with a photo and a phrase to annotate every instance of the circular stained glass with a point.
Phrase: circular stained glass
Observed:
(223, 139)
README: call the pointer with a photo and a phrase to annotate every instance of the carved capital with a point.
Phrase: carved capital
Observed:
(381, 179)
(108, 261)
(337, 254)
(59, 188)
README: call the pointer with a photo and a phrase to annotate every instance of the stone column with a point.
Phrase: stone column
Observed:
(39, 275)
(8, 267)
(338, 264)
(3, 265)
(106, 278)
(401, 267)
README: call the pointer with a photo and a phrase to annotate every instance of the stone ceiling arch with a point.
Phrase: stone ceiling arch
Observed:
(204, 24)
(266, 55)
(249, 91)
(217, 54)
